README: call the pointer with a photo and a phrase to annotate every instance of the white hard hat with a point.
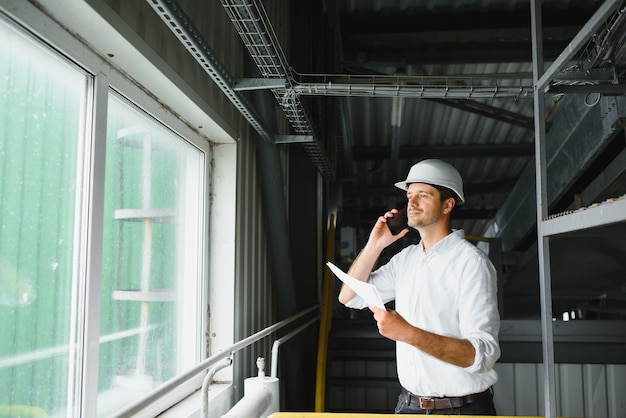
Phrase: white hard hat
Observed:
(435, 172)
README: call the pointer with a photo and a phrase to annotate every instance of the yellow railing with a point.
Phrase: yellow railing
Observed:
(326, 312)
(361, 415)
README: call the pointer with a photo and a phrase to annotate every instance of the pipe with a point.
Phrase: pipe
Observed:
(274, 206)
(261, 397)
(207, 381)
(281, 340)
(251, 405)
(326, 312)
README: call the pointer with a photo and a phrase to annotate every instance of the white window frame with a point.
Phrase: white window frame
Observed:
(212, 138)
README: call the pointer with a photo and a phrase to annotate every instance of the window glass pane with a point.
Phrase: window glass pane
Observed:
(42, 116)
(151, 256)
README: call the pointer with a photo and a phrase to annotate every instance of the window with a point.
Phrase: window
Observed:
(42, 124)
(151, 257)
(153, 239)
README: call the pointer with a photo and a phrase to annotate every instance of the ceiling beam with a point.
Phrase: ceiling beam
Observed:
(404, 21)
(467, 48)
(489, 111)
(411, 152)
(455, 36)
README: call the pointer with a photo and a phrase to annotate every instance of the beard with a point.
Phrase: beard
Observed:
(424, 220)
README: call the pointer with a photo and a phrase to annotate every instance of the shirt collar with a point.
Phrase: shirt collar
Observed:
(447, 242)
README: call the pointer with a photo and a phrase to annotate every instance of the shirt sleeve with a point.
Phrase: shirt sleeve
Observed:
(356, 302)
(383, 279)
(479, 317)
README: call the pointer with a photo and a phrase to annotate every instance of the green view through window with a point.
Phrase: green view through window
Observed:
(152, 240)
(150, 257)
(42, 128)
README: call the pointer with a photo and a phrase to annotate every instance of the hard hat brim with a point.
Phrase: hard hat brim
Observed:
(404, 185)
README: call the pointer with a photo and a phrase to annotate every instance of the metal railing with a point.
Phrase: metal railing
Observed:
(203, 366)
(278, 342)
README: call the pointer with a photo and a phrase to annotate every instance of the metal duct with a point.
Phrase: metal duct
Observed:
(252, 24)
(179, 23)
(189, 36)
(424, 88)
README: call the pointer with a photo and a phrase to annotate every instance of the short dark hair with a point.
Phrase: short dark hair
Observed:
(446, 193)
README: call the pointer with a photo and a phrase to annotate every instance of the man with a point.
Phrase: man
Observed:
(446, 321)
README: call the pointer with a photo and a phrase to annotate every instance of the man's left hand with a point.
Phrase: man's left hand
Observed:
(391, 324)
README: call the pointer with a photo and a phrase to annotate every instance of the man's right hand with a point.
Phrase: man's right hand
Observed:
(379, 239)
(381, 236)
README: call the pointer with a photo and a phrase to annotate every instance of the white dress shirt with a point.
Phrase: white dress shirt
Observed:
(450, 291)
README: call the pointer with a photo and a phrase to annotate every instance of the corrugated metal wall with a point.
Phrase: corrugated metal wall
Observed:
(583, 390)
(254, 295)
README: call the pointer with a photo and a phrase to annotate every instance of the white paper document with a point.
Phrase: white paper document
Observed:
(367, 291)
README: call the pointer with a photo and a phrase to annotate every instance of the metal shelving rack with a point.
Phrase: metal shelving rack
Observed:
(611, 211)
(136, 137)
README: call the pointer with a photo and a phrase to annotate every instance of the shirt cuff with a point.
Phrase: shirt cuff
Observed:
(484, 358)
(357, 302)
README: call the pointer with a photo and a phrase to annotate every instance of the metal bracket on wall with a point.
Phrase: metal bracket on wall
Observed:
(292, 139)
(242, 84)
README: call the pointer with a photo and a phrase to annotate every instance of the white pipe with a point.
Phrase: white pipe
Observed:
(260, 396)
(284, 338)
(207, 382)
(251, 405)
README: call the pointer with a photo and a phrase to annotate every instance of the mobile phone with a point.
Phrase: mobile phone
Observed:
(398, 222)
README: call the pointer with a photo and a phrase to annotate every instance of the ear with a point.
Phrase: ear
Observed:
(448, 205)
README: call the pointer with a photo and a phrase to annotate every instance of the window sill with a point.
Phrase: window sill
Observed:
(220, 401)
